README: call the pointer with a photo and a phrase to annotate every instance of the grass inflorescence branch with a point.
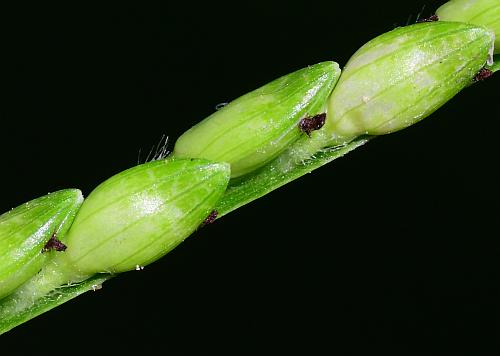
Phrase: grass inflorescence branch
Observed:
(59, 246)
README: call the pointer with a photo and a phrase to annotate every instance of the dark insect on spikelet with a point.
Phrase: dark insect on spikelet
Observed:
(483, 74)
(432, 18)
(54, 244)
(210, 218)
(310, 124)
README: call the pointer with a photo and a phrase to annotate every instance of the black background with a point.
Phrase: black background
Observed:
(391, 248)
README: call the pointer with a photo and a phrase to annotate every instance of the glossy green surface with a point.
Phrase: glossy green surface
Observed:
(25, 230)
(403, 76)
(139, 215)
(479, 12)
(255, 128)
(9, 321)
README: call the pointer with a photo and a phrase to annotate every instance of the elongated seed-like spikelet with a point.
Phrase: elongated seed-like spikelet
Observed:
(27, 229)
(255, 128)
(139, 215)
(403, 76)
(479, 12)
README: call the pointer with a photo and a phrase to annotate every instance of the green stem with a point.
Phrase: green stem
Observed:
(302, 158)
(9, 320)
(496, 64)
(52, 276)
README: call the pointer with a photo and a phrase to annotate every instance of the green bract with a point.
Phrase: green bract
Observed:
(479, 12)
(255, 128)
(403, 76)
(25, 230)
(139, 215)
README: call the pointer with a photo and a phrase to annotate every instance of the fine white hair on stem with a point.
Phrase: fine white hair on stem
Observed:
(157, 152)
(420, 13)
(409, 20)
